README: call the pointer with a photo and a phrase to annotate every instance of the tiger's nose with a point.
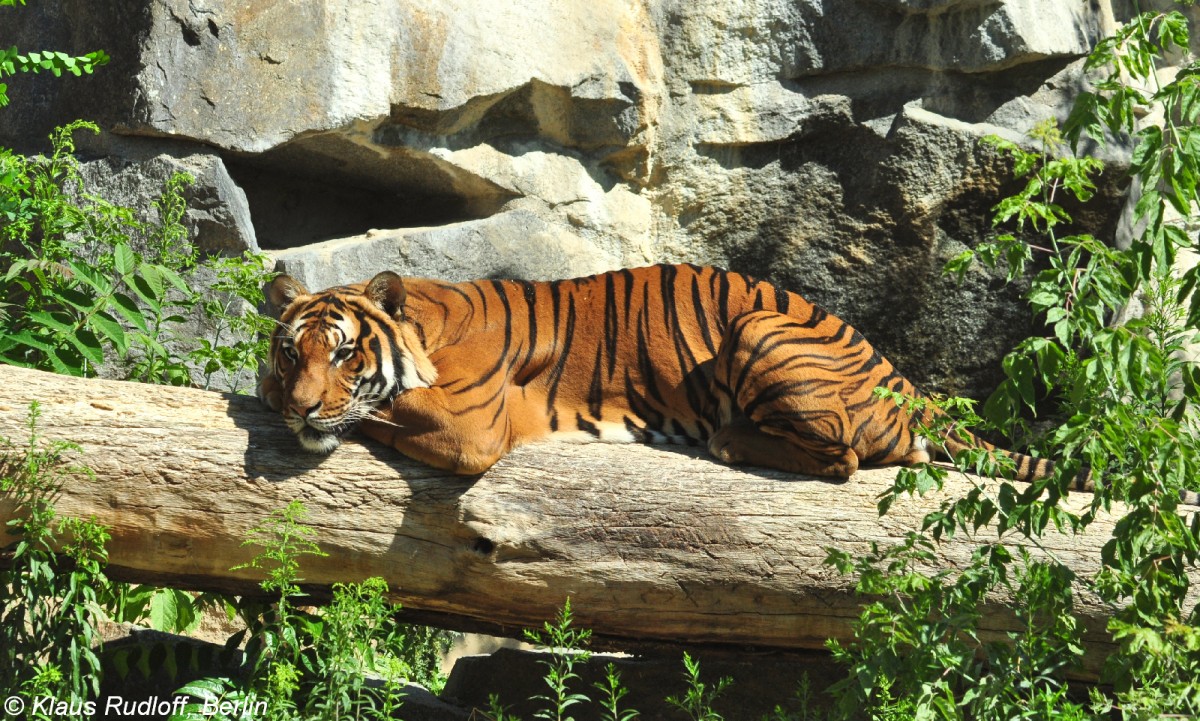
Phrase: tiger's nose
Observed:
(307, 412)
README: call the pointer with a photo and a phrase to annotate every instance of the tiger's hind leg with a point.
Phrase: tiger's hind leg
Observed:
(799, 397)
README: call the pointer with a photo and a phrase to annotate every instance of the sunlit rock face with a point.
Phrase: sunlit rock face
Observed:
(830, 145)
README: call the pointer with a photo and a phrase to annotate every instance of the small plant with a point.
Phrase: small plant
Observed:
(697, 700)
(802, 700)
(319, 664)
(566, 647)
(238, 336)
(276, 640)
(611, 693)
(49, 605)
(355, 640)
(284, 538)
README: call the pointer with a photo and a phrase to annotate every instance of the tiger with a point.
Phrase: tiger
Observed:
(456, 375)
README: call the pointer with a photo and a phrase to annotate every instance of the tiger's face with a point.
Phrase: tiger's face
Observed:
(336, 356)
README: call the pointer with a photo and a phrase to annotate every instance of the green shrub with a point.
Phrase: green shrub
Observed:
(86, 282)
(49, 603)
(345, 660)
(1118, 399)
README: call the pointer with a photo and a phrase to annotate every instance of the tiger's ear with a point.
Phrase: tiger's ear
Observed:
(280, 292)
(387, 291)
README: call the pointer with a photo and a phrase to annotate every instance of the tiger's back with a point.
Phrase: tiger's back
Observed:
(622, 356)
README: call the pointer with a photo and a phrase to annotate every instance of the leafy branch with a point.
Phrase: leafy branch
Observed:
(52, 61)
(1113, 399)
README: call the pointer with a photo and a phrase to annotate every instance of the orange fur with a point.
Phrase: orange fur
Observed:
(665, 353)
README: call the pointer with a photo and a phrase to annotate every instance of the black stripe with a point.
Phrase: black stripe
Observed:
(586, 426)
(644, 355)
(702, 317)
(595, 397)
(502, 358)
(611, 332)
(639, 405)
(639, 433)
(565, 351)
(530, 294)
(818, 315)
(761, 349)
(722, 300)
(628, 276)
(376, 346)
(783, 300)
(497, 395)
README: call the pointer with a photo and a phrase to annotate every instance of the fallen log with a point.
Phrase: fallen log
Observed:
(650, 543)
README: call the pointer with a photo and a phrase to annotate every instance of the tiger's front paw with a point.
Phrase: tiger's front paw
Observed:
(270, 392)
(725, 447)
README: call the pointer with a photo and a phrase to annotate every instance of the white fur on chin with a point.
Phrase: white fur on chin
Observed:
(315, 441)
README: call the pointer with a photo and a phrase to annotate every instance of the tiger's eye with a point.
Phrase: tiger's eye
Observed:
(343, 353)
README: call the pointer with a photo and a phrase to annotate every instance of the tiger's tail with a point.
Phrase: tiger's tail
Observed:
(1031, 468)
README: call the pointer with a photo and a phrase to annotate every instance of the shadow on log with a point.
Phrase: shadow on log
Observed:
(652, 544)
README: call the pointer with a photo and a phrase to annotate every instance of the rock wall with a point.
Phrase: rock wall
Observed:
(830, 145)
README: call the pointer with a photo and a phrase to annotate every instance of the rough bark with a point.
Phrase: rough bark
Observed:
(650, 544)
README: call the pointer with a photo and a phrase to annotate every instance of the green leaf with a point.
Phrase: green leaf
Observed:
(49, 320)
(959, 264)
(88, 346)
(112, 330)
(1149, 145)
(124, 259)
(926, 481)
(1194, 311)
(129, 310)
(1020, 369)
(153, 276)
(92, 277)
(148, 291)
(1045, 296)
(83, 302)
(205, 689)
(28, 339)
(62, 361)
(1086, 118)
(173, 278)
(171, 610)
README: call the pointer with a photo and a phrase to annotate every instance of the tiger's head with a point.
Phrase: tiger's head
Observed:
(338, 355)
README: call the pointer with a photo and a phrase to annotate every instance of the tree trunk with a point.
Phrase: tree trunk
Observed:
(650, 543)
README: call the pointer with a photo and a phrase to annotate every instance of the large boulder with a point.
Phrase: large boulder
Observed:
(832, 147)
